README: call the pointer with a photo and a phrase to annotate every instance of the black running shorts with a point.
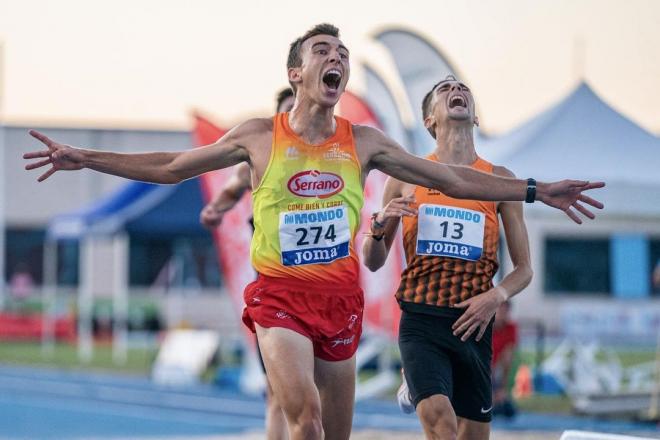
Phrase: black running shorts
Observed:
(437, 362)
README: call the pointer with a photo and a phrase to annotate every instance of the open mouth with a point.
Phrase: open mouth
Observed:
(457, 101)
(332, 79)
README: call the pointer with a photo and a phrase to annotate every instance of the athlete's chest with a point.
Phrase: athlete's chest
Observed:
(447, 227)
(303, 171)
(280, 158)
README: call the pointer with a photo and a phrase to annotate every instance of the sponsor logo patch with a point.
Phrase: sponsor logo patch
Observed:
(282, 315)
(313, 183)
(336, 153)
(342, 341)
(351, 321)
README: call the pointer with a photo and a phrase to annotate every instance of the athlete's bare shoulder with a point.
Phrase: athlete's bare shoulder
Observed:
(367, 134)
(255, 127)
(369, 142)
(253, 135)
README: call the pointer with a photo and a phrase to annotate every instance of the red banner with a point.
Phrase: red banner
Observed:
(232, 238)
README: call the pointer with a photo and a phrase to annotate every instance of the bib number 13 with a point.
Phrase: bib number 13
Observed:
(456, 230)
(450, 231)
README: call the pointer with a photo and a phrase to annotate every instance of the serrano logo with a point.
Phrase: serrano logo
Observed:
(314, 183)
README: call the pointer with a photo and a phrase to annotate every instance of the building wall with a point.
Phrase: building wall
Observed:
(535, 304)
(32, 204)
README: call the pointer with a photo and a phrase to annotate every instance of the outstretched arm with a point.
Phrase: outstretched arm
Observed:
(160, 167)
(466, 183)
(228, 197)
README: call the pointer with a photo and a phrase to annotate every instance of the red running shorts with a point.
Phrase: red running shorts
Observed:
(329, 316)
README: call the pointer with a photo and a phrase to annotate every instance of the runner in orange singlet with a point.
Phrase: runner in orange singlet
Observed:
(446, 292)
(303, 249)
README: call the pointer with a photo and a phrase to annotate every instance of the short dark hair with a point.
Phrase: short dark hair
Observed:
(283, 95)
(426, 102)
(294, 59)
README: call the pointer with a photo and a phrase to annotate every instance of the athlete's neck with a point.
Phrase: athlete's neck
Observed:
(311, 122)
(454, 144)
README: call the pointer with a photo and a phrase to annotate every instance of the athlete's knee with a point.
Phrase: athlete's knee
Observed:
(438, 418)
(273, 407)
(471, 430)
(304, 416)
(307, 425)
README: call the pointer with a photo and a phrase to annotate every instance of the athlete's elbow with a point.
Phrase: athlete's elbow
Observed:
(175, 169)
(175, 180)
(171, 174)
(373, 264)
(527, 274)
(169, 178)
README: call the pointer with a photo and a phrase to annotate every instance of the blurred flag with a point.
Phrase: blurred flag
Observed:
(234, 233)
(420, 65)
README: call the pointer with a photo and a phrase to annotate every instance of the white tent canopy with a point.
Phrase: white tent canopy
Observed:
(583, 137)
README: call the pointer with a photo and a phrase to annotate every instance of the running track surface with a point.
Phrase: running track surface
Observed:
(50, 404)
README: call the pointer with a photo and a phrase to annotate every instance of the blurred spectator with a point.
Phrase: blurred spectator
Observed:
(505, 340)
(656, 277)
(21, 283)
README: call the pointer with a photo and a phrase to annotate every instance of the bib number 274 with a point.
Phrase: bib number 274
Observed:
(314, 237)
(314, 233)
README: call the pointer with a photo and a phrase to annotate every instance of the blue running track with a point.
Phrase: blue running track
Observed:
(49, 404)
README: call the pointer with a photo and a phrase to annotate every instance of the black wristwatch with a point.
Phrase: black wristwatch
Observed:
(531, 191)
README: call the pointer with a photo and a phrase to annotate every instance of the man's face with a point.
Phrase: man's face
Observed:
(286, 105)
(452, 101)
(324, 71)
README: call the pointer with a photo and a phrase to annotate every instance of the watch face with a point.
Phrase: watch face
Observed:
(531, 191)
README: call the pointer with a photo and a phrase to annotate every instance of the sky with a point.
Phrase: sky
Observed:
(149, 63)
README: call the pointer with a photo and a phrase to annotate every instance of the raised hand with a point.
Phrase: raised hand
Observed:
(396, 208)
(567, 196)
(59, 156)
(480, 310)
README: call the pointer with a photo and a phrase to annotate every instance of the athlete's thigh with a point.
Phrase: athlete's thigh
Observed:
(289, 360)
(427, 363)
(472, 396)
(336, 384)
(472, 430)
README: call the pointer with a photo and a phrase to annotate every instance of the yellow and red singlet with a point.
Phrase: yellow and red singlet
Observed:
(307, 207)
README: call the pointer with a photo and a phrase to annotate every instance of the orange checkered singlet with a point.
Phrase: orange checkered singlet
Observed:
(450, 227)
